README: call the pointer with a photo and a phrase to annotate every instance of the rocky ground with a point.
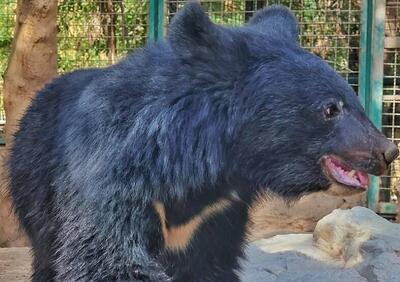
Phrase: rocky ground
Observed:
(347, 246)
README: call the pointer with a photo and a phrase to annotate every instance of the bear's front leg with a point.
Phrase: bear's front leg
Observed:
(117, 242)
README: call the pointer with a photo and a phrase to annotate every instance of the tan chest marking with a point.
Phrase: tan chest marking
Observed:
(177, 238)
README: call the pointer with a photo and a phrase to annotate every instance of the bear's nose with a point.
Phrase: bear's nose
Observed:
(391, 153)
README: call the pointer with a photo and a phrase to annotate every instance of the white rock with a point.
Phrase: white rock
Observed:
(347, 245)
(343, 232)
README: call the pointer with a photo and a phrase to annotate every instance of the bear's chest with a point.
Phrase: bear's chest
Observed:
(202, 236)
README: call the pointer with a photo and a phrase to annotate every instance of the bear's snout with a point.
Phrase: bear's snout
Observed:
(391, 153)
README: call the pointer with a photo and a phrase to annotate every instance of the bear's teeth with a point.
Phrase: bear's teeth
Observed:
(351, 173)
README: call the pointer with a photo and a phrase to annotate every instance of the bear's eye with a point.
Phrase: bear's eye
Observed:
(331, 110)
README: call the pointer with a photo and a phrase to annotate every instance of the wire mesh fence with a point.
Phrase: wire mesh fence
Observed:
(95, 33)
(391, 98)
(91, 33)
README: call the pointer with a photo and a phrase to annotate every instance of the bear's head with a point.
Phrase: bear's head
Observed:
(296, 125)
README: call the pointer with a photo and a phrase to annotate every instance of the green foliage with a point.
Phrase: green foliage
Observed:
(7, 23)
(7, 14)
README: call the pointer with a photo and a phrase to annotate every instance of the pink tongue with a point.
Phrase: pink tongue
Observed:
(361, 179)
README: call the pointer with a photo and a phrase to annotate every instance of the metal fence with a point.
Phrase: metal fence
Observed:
(391, 98)
(100, 32)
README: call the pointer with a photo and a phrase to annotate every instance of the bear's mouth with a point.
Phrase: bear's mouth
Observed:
(336, 170)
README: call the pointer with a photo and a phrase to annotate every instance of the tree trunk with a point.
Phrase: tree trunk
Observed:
(32, 63)
(109, 21)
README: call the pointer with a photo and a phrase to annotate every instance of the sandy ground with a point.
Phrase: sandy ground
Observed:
(14, 264)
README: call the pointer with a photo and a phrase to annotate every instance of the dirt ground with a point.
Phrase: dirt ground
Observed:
(15, 264)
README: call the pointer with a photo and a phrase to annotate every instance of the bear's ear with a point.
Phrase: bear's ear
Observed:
(192, 31)
(276, 20)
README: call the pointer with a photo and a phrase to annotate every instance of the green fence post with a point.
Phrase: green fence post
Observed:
(365, 53)
(371, 73)
(156, 20)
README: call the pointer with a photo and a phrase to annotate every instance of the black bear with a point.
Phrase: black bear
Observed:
(145, 170)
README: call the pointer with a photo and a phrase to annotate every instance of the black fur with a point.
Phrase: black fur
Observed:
(213, 112)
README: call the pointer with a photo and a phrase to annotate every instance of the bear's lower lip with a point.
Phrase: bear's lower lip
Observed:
(337, 171)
